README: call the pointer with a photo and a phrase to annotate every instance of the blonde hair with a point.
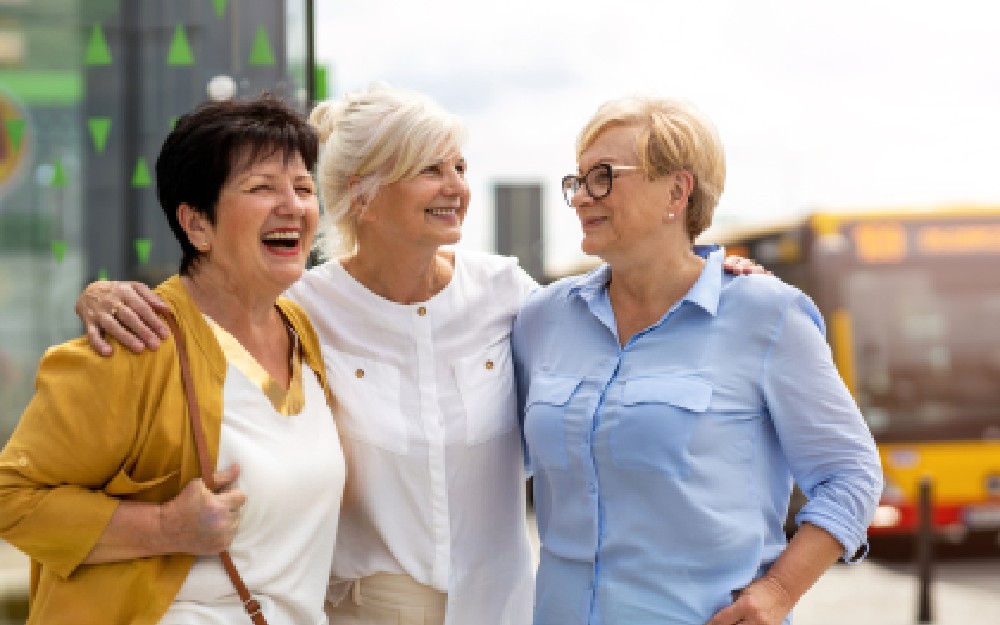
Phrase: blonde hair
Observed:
(372, 138)
(673, 135)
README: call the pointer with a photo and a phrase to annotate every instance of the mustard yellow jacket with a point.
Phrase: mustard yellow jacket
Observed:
(103, 430)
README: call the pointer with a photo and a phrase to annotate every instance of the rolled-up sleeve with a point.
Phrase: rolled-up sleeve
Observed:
(67, 445)
(826, 442)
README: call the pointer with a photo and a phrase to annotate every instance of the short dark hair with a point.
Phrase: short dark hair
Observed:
(208, 144)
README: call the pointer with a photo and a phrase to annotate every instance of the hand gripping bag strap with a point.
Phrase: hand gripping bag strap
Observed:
(250, 604)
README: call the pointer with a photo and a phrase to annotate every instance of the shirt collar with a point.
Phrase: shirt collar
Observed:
(708, 287)
(590, 284)
(705, 292)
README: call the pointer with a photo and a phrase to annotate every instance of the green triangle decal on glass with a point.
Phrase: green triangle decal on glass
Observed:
(102, 274)
(220, 7)
(98, 52)
(141, 177)
(59, 250)
(142, 249)
(58, 175)
(15, 130)
(321, 82)
(180, 51)
(261, 53)
(99, 129)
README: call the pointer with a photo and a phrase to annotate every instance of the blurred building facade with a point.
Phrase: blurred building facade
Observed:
(88, 91)
(518, 226)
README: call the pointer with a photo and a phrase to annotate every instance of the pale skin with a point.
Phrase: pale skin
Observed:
(639, 230)
(236, 282)
(400, 232)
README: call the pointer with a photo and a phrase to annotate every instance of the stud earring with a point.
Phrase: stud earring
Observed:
(670, 215)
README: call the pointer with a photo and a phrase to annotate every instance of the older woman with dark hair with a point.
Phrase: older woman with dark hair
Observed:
(668, 407)
(100, 483)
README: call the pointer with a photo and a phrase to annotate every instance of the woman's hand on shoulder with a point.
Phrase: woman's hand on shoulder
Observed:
(126, 311)
(740, 266)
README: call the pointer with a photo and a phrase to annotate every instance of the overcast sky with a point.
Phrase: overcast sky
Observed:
(846, 105)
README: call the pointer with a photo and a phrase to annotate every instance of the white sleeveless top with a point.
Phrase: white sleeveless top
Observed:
(292, 471)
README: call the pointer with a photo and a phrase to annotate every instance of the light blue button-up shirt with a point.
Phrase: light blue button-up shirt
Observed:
(662, 469)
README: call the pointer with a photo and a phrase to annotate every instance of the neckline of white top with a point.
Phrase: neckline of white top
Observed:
(360, 290)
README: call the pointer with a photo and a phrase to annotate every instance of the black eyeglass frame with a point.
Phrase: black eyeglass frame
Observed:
(571, 184)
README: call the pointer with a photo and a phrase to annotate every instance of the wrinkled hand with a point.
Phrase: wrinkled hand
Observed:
(126, 311)
(742, 266)
(764, 602)
(201, 522)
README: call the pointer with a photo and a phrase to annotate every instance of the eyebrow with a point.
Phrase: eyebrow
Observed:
(614, 161)
(247, 175)
(444, 159)
(581, 171)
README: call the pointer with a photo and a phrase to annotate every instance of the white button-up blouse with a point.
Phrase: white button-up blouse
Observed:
(425, 404)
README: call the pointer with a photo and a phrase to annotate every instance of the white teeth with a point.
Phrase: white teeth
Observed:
(281, 236)
(442, 211)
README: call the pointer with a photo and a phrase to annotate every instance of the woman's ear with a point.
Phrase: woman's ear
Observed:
(197, 227)
(681, 185)
(360, 203)
(681, 188)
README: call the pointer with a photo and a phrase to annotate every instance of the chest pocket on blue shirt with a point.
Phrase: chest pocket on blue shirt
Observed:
(656, 422)
(546, 411)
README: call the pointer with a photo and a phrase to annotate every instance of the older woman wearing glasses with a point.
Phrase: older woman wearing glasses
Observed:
(668, 407)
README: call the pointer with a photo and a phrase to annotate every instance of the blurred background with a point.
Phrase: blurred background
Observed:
(862, 142)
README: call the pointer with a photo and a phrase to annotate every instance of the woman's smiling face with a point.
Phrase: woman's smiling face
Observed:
(266, 218)
(427, 209)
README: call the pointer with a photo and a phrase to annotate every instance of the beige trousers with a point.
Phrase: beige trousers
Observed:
(384, 599)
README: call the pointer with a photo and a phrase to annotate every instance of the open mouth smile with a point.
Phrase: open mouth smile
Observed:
(442, 212)
(282, 242)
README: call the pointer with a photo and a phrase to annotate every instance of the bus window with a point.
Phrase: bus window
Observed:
(927, 350)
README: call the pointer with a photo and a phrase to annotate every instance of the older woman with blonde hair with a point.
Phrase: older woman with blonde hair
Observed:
(416, 339)
(668, 406)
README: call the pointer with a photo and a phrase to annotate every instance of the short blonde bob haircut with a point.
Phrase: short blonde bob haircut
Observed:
(673, 135)
(370, 139)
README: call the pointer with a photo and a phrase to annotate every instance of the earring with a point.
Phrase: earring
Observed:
(670, 215)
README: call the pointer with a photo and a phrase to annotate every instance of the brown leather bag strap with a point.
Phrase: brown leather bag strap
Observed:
(250, 604)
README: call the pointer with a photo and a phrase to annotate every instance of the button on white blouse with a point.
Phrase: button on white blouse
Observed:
(426, 407)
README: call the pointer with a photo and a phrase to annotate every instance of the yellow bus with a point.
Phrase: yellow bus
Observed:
(912, 305)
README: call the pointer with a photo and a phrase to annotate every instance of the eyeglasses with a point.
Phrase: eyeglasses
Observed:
(597, 181)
